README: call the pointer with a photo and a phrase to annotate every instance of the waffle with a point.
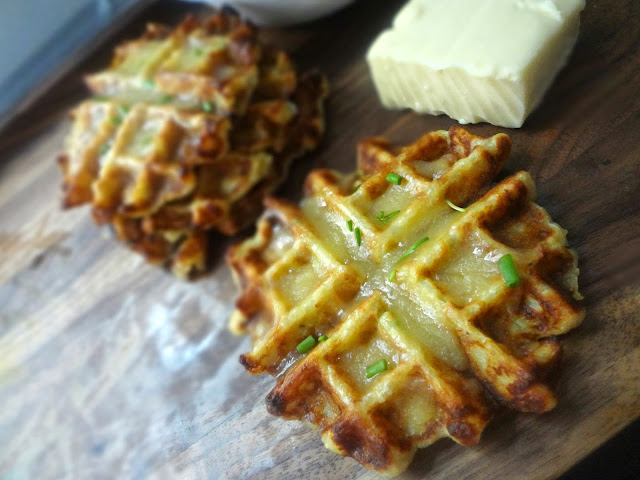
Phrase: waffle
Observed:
(213, 61)
(432, 321)
(164, 166)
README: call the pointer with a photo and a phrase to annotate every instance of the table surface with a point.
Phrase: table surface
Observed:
(113, 368)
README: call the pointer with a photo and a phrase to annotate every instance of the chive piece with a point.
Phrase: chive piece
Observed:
(509, 272)
(104, 148)
(355, 188)
(148, 83)
(350, 225)
(322, 338)
(412, 249)
(197, 51)
(358, 237)
(394, 178)
(455, 207)
(392, 275)
(385, 218)
(165, 98)
(376, 368)
(392, 214)
(123, 110)
(307, 344)
(207, 106)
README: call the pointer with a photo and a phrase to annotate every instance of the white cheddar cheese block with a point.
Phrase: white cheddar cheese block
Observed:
(475, 60)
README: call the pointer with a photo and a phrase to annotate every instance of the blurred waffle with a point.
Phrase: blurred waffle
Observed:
(213, 61)
(399, 266)
(189, 130)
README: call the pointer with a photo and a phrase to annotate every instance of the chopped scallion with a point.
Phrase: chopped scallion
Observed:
(355, 188)
(385, 218)
(104, 148)
(376, 368)
(509, 272)
(165, 98)
(322, 338)
(122, 112)
(307, 344)
(394, 178)
(358, 236)
(207, 106)
(412, 249)
(350, 225)
(197, 51)
(392, 275)
(455, 207)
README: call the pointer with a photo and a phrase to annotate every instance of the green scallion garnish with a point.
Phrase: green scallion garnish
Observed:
(355, 188)
(358, 236)
(385, 218)
(322, 338)
(207, 106)
(376, 368)
(122, 112)
(392, 275)
(104, 148)
(165, 98)
(350, 225)
(394, 178)
(197, 51)
(412, 249)
(509, 272)
(455, 207)
(307, 344)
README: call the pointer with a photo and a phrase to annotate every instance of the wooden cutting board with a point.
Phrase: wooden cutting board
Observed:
(112, 368)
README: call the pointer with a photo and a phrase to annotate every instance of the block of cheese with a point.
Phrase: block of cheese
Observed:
(475, 60)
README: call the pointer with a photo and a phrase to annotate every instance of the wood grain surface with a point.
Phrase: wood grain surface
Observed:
(110, 368)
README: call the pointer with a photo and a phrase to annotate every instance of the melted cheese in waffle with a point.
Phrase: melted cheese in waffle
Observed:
(420, 289)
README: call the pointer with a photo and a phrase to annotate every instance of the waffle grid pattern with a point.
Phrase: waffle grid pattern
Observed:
(455, 337)
(163, 171)
(214, 60)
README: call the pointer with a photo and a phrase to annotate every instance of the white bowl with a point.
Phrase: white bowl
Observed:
(282, 12)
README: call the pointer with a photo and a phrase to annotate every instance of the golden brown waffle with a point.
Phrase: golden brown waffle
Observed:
(166, 166)
(454, 335)
(213, 61)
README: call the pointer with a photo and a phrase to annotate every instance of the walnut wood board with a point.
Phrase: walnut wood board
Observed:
(112, 368)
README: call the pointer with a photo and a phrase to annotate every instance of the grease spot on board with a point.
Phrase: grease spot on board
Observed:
(55, 249)
(97, 449)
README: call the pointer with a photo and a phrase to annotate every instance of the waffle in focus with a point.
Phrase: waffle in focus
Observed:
(188, 131)
(380, 302)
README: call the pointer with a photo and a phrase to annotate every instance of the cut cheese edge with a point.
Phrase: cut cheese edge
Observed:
(475, 61)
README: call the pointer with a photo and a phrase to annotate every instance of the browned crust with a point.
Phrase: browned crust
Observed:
(510, 341)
